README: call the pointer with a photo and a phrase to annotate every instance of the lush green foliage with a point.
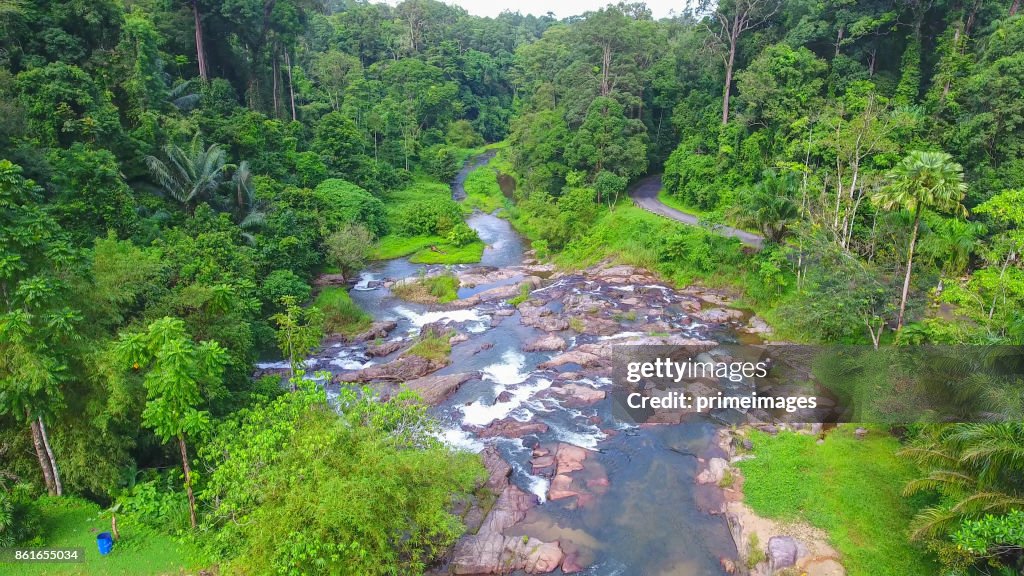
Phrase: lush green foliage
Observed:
(340, 314)
(376, 502)
(155, 174)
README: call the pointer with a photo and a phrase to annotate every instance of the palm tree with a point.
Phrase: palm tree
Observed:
(922, 180)
(976, 467)
(769, 206)
(248, 214)
(951, 244)
(190, 174)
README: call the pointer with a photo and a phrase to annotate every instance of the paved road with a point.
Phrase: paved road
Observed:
(645, 194)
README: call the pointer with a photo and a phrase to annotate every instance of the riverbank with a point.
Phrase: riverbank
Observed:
(815, 501)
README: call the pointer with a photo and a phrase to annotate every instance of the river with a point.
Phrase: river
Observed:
(643, 514)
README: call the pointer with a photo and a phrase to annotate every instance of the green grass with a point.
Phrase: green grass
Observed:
(74, 523)
(482, 191)
(523, 296)
(432, 347)
(418, 248)
(393, 246)
(849, 488)
(429, 290)
(450, 254)
(341, 314)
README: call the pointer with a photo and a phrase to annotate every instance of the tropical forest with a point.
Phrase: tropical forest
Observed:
(341, 287)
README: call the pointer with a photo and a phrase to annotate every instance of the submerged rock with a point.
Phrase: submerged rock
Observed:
(714, 473)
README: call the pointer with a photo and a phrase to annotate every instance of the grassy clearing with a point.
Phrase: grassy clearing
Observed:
(429, 290)
(482, 191)
(418, 248)
(634, 236)
(849, 488)
(74, 523)
(341, 314)
(449, 254)
(394, 246)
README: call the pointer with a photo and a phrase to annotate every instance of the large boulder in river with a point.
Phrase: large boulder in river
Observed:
(757, 325)
(549, 343)
(718, 315)
(578, 393)
(714, 472)
(512, 428)
(376, 351)
(586, 355)
(402, 369)
(437, 388)
(377, 330)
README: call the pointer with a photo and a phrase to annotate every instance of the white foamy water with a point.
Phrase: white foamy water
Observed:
(283, 364)
(460, 440)
(350, 363)
(623, 335)
(364, 281)
(481, 414)
(509, 370)
(420, 320)
(585, 439)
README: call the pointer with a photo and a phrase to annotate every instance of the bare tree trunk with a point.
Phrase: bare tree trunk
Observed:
(53, 461)
(876, 336)
(291, 83)
(1002, 272)
(275, 72)
(1014, 8)
(728, 81)
(188, 481)
(200, 49)
(910, 266)
(44, 460)
(946, 86)
(606, 64)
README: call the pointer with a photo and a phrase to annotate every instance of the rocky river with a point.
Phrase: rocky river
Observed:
(577, 491)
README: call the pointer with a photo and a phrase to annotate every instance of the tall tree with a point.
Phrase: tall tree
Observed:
(180, 376)
(736, 17)
(922, 180)
(200, 48)
(35, 322)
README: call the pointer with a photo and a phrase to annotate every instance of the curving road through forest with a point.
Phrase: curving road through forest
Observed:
(645, 195)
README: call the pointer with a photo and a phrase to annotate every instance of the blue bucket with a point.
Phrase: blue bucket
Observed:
(105, 542)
